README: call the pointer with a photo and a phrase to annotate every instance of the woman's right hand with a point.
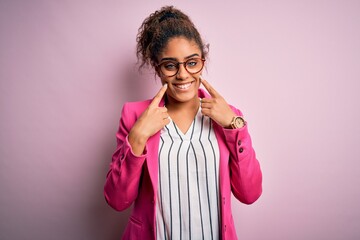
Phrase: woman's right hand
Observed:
(152, 120)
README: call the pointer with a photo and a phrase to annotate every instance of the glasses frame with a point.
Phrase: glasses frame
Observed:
(178, 66)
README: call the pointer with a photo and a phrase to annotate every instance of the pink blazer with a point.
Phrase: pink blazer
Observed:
(134, 179)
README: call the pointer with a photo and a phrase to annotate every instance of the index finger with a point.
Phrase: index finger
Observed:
(157, 99)
(209, 88)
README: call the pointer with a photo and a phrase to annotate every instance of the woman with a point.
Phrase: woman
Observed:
(180, 154)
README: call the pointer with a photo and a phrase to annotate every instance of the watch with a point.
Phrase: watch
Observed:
(237, 122)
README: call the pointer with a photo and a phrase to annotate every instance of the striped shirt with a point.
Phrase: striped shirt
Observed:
(187, 205)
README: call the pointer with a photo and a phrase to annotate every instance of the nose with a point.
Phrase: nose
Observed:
(182, 73)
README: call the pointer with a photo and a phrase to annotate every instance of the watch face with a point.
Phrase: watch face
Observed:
(238, 122)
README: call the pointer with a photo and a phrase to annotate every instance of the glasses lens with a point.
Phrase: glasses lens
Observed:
(194, 65)
(170, 68)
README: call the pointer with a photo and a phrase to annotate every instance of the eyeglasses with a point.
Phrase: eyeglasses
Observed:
(171, 68)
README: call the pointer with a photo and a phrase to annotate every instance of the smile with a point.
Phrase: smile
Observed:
(183, 86)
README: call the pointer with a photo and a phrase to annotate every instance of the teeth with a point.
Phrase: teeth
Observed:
(183, 86)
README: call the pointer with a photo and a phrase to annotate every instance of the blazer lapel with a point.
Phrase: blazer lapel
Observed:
(152, 147)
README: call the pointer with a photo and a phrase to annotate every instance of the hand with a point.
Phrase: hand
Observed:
(152, 120)
(216, 107)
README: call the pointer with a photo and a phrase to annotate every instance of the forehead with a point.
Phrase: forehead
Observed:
(180, 48)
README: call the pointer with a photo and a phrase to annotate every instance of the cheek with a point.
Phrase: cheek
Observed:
(164, 80)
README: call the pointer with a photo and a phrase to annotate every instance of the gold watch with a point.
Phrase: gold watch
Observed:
(237, 122)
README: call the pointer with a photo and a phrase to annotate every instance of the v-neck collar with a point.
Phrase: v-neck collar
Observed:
(201, 94)
(190, 131)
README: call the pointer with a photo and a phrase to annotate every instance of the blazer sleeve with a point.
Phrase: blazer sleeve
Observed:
(122, 181)
(245, 172)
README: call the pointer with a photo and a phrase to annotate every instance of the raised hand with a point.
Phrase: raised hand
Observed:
(152, 120)
(216, 107)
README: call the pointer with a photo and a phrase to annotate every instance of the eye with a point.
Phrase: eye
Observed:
(169, 65)
(192, 63)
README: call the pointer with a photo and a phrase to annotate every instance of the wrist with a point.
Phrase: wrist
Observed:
(137, 137)
(137, 142)
(237, 122)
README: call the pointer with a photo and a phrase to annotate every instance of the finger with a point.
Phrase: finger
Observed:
(206, 105)
(167, 121)
(163, 109)
(157, 99)
(209, 88)
(206, 100)
(205, 112)
(165, 115)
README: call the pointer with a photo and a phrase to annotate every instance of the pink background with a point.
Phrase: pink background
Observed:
(66, 68)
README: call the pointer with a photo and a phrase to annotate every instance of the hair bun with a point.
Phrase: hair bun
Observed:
(168, 15)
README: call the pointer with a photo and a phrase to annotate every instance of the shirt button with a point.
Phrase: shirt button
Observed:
(241, 150)
(239, 142)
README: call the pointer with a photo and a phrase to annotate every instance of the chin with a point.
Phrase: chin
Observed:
(184, 96)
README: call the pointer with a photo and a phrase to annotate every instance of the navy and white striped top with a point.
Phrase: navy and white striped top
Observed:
(187, 205)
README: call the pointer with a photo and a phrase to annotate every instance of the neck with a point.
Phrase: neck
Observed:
(174, 106)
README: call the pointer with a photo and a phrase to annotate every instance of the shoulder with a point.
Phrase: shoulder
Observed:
(135, 108)
(131, 111)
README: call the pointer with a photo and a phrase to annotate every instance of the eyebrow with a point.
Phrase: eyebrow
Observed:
(175, 59)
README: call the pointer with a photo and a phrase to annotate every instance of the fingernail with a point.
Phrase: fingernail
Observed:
(200, 77)
(165, 85)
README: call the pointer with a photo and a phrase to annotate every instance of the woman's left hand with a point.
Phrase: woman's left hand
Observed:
(216, 107)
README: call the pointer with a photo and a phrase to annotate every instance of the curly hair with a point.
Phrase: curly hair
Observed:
(157, 29)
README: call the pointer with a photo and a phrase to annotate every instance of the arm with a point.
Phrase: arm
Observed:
(245, 172)
(123, 178)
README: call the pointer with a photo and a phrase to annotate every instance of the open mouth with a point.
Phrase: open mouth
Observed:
(183, 86)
